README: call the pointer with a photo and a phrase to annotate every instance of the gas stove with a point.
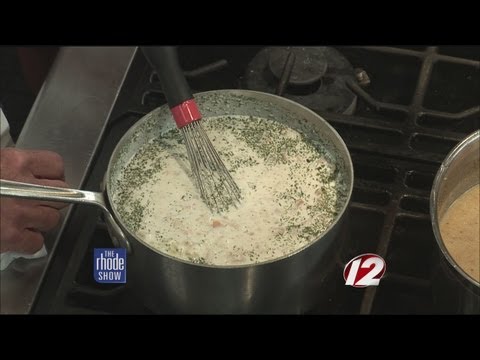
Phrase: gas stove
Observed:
(399, 110)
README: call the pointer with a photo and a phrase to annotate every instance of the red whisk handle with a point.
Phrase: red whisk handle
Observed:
(186, 113)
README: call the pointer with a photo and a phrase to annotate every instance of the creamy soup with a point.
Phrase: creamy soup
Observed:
(460, 231)
(289, 194)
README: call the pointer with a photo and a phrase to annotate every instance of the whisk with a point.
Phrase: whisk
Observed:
(217, 187)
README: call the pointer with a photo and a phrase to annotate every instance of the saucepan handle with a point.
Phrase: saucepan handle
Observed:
(50, 193)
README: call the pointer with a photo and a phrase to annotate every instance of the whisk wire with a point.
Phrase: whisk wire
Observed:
(216, 185)
(213, 180)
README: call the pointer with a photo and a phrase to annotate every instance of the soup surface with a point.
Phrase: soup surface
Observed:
(460, 231)
(290, 194)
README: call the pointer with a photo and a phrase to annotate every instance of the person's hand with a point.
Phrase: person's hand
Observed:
(23, 221)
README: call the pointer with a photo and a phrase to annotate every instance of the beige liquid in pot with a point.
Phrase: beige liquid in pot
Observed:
(460, 231)
(290, 194)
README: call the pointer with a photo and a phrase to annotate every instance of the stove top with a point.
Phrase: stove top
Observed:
(399, 110)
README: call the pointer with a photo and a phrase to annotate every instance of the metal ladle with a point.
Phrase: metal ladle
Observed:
(50, 193)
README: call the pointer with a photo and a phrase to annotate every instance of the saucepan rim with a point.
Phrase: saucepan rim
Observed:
(347, 160)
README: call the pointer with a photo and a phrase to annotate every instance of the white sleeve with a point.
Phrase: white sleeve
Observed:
(5, 139)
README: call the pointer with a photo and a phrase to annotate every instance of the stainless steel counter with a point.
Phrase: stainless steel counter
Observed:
(69, 117)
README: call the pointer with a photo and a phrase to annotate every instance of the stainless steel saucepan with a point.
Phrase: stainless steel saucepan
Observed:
(278, 286)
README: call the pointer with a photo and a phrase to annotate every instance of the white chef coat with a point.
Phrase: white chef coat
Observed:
(5, 139)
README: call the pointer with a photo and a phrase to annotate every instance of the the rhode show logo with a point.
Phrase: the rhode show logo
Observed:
(110, 266)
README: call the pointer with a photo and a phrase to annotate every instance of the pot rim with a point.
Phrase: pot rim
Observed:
(340, 215)
(447, 162)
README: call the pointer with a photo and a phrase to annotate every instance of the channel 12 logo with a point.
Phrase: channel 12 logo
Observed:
(110, 265)
(364, 270)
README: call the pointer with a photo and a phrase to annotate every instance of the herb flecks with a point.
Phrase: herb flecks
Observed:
(292, 188)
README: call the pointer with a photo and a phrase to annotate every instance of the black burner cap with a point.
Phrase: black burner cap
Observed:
(309, 66)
